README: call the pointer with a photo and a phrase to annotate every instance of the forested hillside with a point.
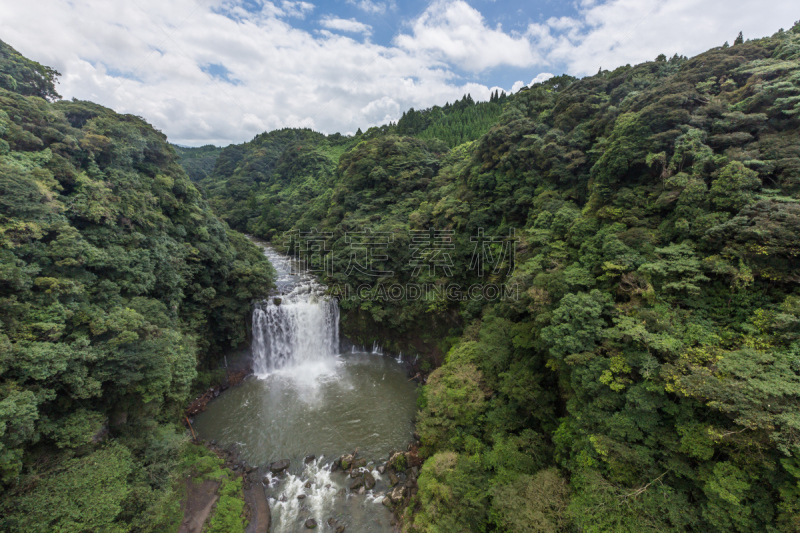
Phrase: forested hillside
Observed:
(117, 285)
(647, 377)
(197, 162)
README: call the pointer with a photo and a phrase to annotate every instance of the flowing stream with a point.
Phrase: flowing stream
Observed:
(308, 398)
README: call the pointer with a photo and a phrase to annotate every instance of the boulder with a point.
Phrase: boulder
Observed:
(398, 493)
(309, 458)
(359, 463)
(393, 479)
(382, 469)
(308, 485)
(359, 482)
(369, 481)
(301, 496)
(279, 466)
(340, 529)
(311, 524)
(346, 461)
(398, 462)
(387, 502)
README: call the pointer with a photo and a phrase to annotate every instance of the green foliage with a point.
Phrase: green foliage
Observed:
(651, 358)
(227, 516)
(116, 283)
(21, 75)
(83, 494)
(199, 162)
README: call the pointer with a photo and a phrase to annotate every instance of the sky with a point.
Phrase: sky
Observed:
(222, 71)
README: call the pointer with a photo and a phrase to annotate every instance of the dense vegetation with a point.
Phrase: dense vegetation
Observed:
(647, 378)
(117, 284)
(197, 162)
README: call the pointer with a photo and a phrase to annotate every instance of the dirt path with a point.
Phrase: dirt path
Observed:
(200, 498)
(260, 517)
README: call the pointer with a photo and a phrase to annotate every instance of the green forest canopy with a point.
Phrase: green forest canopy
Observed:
(647, 379)
(117, 285)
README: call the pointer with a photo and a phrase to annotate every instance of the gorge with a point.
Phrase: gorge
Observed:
(644, 375)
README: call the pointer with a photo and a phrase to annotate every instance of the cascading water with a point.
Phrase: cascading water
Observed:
(312, 400)
(299, 328)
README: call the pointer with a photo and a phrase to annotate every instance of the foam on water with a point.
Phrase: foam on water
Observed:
(296, 334)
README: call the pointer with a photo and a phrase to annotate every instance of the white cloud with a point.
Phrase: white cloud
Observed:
(347, 25)
(372, 7)
(542, 76)
(297, 9)
(618, 32)
(456, 33)
(119, 55)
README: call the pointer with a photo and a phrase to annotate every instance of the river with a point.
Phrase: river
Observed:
(313, 394)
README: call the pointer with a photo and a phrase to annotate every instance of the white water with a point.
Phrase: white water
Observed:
(309, 399)
(299, 329)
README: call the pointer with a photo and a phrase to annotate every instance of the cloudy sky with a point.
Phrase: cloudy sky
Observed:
(221, 71)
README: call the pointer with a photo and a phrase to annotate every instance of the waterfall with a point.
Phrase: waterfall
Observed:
(299, 328)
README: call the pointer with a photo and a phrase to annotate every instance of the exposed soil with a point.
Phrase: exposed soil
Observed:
(200, 499)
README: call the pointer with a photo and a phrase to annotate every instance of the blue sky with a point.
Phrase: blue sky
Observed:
(387, 19)
(222, 71)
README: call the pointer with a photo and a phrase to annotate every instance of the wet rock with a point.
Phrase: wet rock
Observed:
(358, 483)
(362, 490)
(346, 461)
(382, 469)
(398, 493)
(393, 479)
(369, 481)
(340, 529)
(359, 463)
(277, 301)
(308, 485)
(342, 492)
(332, 522)
(279, 466)
(398, 462)
(301, 496)
(311, 524)
(328, 486)
(387, 502)
(335, 467)
(355, 473)
(309, 458)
